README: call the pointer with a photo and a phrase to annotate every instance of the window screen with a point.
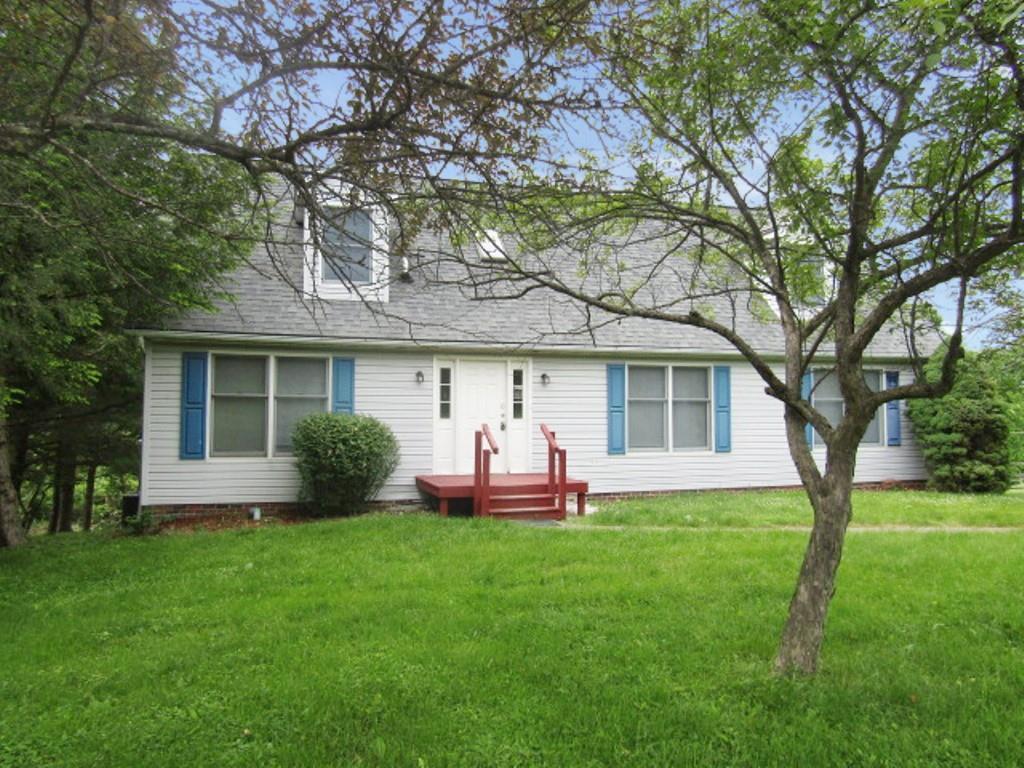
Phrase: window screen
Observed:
(647, 407)
(300, 389)
(691, 405)
(828, 399)
(239, 405)
(347, 248)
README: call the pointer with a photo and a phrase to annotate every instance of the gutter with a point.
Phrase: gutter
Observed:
(447, 347)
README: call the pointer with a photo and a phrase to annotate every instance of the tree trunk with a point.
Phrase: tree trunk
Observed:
(90, 490)
(11, 532)
(805, 627)
(55, 501)
(67, 491)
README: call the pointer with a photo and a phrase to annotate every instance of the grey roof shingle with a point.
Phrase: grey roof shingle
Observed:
(427, 308)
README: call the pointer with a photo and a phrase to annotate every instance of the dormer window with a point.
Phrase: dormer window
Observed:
(489, 246)
(346, 251)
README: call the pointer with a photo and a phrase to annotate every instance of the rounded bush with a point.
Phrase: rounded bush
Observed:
(343, 460)
(964, 435)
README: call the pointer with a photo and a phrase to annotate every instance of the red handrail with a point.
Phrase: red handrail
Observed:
(556, 455)
(490, 438)
(482, 470)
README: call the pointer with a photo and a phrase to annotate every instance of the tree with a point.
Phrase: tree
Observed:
(140, 143)
(827, 165)
(964, 435)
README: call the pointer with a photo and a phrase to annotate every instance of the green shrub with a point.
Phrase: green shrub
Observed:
(343, 461)
(965, 434)
(140, 524)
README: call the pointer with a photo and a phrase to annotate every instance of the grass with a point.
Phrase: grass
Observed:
(414, 641)
(786, 508)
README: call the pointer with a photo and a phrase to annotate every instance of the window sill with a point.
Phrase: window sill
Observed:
(339, 292)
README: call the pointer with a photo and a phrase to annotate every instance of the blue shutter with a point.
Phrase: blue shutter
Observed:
(343, 394)
(892, 410)
(723, 404)
(806, 385)
(616, 408)
(192, 442)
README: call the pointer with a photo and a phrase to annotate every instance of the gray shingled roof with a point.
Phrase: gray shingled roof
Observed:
(423, 311)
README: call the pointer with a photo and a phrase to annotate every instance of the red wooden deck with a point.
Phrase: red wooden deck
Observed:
(445, 487)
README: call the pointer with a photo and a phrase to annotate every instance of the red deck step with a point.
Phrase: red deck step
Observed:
(518, 494)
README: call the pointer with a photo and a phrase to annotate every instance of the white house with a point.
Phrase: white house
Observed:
(637, 405)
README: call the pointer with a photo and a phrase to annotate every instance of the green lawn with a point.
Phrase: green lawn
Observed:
(781, 508)
(412, 641)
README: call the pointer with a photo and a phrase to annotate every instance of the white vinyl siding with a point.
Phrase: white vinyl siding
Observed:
(574, 403)
(385, 387)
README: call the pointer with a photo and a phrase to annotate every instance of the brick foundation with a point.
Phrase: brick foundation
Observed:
(198, 513)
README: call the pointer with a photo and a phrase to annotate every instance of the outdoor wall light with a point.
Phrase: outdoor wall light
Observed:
(419, 377)
(545, 379)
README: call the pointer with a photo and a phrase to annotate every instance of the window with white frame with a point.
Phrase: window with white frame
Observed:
(346, 250)
(300, 389)
(238, 402)
(444, 394)
(827, 398)
(517, 393)
(668, 408)
(647, 404)
(691, 408)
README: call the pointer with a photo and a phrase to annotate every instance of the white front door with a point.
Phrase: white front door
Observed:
(474, 391)
(481, 392)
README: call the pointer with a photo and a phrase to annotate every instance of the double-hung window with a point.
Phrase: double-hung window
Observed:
(244, 386)
(346, 248)
(300, 389)
(691, 408)
(668, 408)
(647, 408)
(239, 405)
(827, 398)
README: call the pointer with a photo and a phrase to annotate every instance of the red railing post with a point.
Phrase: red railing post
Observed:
(556, 487)
(482, 470)
(477, 448)
(485, 490)
(551, 469)
(562, 482)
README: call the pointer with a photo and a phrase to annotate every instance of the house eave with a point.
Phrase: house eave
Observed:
(437, 346)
